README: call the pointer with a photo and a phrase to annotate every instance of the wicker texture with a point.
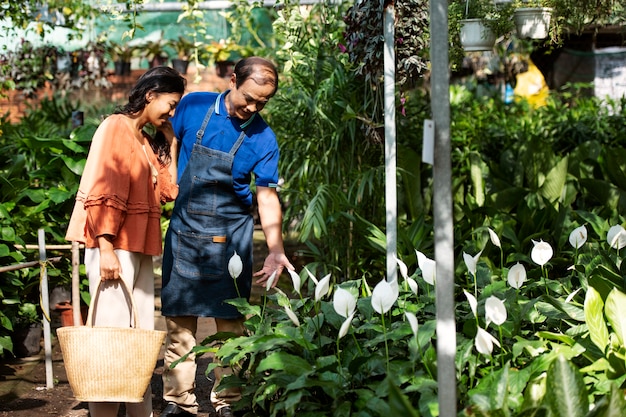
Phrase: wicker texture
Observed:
(109, 364)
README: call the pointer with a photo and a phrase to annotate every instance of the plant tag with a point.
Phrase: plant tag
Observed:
(428, 144)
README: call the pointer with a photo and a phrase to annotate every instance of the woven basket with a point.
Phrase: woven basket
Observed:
(109, 364)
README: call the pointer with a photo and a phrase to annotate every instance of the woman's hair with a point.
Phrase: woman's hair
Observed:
(159, 80)
(261, 70)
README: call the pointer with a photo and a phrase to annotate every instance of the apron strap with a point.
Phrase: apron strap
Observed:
(205, 122)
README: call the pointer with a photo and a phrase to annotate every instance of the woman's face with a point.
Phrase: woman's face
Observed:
(161, 107)
(249, 98)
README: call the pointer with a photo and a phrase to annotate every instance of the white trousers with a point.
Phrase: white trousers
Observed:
(113, 310)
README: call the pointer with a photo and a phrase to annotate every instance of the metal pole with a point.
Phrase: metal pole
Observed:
(76, 284)
(45, 305)
(443, 209)
(391, 198)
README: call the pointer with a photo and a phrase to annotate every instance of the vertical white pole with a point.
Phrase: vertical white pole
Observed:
(391, 198)
(443, 209)
(76, 284)
(45, 305)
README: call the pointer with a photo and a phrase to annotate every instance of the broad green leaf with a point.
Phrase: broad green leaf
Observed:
(552, 188)
(615, 310)
(282, 361)
(399, 404)
(594, 317)
(566, 392)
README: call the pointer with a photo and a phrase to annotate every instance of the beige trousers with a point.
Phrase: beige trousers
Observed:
(113, 309)
(179, 383)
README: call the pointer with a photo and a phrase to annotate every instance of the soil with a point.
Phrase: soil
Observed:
(23, 391)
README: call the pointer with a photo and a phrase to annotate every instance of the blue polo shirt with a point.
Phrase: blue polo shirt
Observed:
(258, 154)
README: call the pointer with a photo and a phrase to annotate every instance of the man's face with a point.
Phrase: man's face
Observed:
(248, 99)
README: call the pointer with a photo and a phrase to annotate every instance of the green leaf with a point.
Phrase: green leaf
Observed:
(566, 393)
(615, 310)
(282, 361)
(594, 317)
(399, 404)
(552, 188)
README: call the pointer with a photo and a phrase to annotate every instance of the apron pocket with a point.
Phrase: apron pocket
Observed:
(202, 198)
(201, 257)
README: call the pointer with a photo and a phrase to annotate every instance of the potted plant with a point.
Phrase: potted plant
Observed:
(479, 23)
(184, 48)
(27, 331)
(121, 55)
(155, 53)
(532, 18)
(223, 54)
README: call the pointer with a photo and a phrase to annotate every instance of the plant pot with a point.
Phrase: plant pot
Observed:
(67, 314)
(532, 22)
(180, 65)
(158, 61)
(122, 68)
(224, 69)
(476, 36)
(27, 341)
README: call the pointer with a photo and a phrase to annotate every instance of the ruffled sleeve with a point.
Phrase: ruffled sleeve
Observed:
(168, 188)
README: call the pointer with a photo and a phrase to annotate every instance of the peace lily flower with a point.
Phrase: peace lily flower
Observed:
(322, 287)
(295, 279)
(235, 266)
(427, 266)
(471, 261)
(270, 281)
(516, 276)
(484, 342)
(616, 237)
(472, 302)
(344, 302)
(404, 271)
(345, 326)
(412, 319)
(292, 315)
(383, 297)
(578, 237)
(495, 311)
(494, 238)
(541, 253)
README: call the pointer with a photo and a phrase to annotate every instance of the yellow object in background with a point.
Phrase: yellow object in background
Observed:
(532, 86)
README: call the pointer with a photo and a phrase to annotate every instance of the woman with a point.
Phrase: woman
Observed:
(128, 175)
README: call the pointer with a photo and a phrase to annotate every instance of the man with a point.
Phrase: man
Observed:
(223, 142)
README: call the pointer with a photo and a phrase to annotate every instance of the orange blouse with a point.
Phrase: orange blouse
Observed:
(117, 195)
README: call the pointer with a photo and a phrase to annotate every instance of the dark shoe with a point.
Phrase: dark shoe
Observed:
(224, 412)
(173, 410)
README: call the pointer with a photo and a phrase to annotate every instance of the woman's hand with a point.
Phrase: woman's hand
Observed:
(110, 267)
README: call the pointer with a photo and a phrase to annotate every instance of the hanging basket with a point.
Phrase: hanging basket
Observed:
(532, 22)
(110, 364)
(476, 35)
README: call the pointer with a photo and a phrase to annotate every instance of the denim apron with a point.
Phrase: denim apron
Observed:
(209, 224)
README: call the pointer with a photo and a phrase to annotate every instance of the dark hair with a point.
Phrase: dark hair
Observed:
(261, 70)
(160, 80)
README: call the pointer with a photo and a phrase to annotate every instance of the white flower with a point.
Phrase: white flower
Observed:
(428, 267)
(578, 237)
(383, 297)
(404, 271)
(412, 284)
(235, 266)
(295, 279)
(541, 252)
(616, 237)
(412, 319)
(495, 311)
(292, 315)
(494, 238)
(345, 326)
(270, 281)
(322, 287)
(344, 302)
(484, 342)
(516, 276)
(471, 261)
(472, 302)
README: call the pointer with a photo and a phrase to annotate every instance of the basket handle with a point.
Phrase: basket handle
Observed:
(89, 321)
